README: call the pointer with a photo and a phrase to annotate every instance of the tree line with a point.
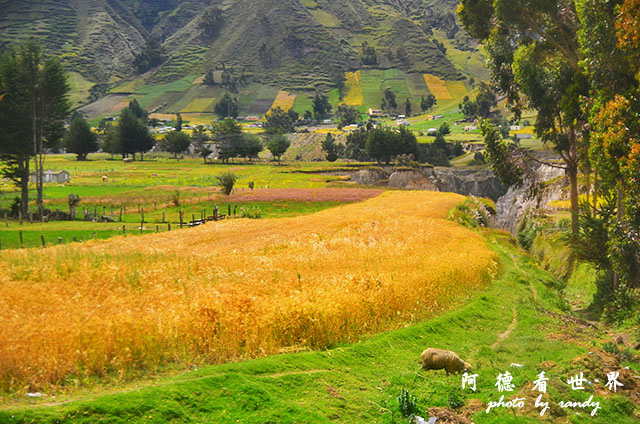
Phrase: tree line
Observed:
(576, 63)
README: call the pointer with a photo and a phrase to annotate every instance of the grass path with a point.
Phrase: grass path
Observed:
(360, 382)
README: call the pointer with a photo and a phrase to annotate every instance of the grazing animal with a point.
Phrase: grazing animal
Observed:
(437, 359)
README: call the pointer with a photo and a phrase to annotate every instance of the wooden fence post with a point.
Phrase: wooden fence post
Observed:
(20, 216)
(228, 211)
(21, 242)
(169, 227)
(6, 220)
(181, 214)
(42, 239)
(163, 217)
(120, 213)
(124, 229)
(59, 240)
(75, 239)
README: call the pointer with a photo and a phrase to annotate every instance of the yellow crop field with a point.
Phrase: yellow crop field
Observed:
(438, 87)
(457, 89)
(353, 89)
(284, 100)
(233, 289)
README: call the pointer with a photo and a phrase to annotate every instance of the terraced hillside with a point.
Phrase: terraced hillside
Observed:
(299, 46)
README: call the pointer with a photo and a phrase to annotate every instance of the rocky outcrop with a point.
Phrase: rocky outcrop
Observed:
(543, 184)
(470, 182)
(412, 180)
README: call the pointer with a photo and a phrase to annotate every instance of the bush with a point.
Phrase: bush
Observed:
(227, 180)
(251, 185)
(455, 399)
(175, 198)
(474, 212)
(407, 403)
(251, 213)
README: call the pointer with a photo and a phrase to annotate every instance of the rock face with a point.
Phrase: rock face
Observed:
(470, 182)
(533, 194)
(412, 180)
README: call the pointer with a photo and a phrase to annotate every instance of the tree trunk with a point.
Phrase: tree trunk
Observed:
(24, 185)
(572, 172)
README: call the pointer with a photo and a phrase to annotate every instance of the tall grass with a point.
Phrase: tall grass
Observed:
(232, 290)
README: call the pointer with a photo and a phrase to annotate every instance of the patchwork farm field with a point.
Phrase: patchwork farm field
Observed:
(232, 290)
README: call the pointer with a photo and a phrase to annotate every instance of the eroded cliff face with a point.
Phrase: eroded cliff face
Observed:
(470, 182)
(543, 184)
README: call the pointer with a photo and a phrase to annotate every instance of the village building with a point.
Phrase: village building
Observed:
(52, 177)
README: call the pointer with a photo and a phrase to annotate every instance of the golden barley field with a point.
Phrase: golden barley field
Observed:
(353, 89)
(232, 290)
(284, 101)
(437, 87)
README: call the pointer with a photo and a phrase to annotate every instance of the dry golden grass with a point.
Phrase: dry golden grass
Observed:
(283, 100)
(353, 89)
(438, 87)
(233, 289)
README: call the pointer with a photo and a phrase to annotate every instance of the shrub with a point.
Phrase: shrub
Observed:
(407, 403)
(175, 198)
(251, 213)
(251, 185)
(227, 180)
(455, 399)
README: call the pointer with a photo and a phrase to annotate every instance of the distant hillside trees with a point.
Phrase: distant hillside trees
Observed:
(33, 109)
(79, 138)
(152, 55)
(227, 107)
(428, 102)
(368, 56)
(332, 149)
(321, 107)
(347, 115)
(388, 101)
(482, 106)
(176, 142)
(338, 80)
(278, 145)
(278, 121)
(407, 107)
(211, 22)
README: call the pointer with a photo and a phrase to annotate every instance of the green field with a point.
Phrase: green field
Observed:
(153, 186)
(520, 318)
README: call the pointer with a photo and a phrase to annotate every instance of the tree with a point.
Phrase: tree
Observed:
(178, 126)
(79, 138)
(152, 55)
(227, 180)
(483, 106)
(444, 129)
(389, 100)
(330, 148)
(33, 109)
(199, 139)
(278, 144)
(251, 146)
(407, 108)
(227, 107)
(338, 80)
(356, 145)
(176, 142)
(134, 135)
(321, 107)
(209, 78)
(383, 144)
(368, 55)
(278, 121)
(428, 102)
(138, 111)
(227, 136)
(533, 56)
(111, 140)
(348, 115)
(211, 22)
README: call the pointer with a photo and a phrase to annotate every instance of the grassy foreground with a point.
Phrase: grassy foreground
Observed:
(518, 319)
